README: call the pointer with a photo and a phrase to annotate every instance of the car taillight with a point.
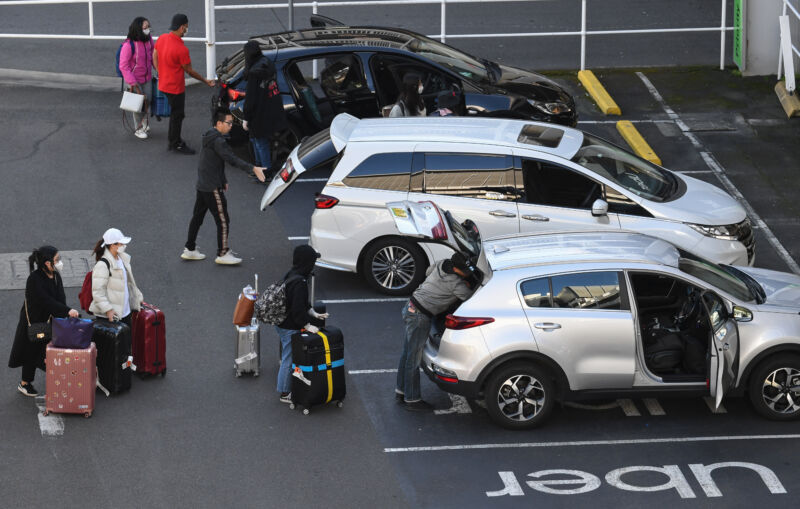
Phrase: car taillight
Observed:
(465, 322)
(287, 170)
(323, 201)
(439, 232)
(235, 95)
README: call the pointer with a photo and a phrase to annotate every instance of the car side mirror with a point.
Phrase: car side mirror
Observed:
(599, 208)
(741, 314)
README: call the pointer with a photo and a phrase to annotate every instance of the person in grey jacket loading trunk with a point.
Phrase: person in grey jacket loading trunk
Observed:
(211, 187)
(445, 286)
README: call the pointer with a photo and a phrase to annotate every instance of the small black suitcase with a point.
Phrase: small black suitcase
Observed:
(318, 368)
(114, 361)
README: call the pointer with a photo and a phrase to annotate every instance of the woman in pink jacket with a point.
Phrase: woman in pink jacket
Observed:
(136, 64)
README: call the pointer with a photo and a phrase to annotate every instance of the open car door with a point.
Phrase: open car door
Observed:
(724, 347)
(427, 222)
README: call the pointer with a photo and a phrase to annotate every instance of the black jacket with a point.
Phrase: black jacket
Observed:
(213, 155)
(263, 106)
(45, 298)
(297, 304)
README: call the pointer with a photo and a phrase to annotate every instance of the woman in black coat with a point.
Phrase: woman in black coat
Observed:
(44, 293)
(263, 107)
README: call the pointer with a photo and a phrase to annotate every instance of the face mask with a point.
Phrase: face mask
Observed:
(121, 249)
(419, 89)
(186, 32)
(59, 265)
(146, 31)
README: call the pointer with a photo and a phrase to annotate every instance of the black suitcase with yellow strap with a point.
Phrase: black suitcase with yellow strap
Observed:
(318, 368)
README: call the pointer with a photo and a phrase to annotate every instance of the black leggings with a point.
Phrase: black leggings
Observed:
(28, 373)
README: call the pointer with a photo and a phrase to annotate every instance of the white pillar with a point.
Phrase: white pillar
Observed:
(762, 36)
(443, 28)
(211, 38)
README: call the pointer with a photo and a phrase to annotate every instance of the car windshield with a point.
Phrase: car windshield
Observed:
(461, 63)
(629, 171)
(715, 275)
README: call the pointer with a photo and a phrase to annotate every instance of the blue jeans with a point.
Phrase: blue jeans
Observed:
(285, 371)
(261, 150)
(417, 327)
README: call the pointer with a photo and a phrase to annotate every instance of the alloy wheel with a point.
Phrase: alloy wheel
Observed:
(521, 398)
(393, 267)
(781, 390)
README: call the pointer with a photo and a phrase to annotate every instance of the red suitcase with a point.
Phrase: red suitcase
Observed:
(149, 341)
(71, 380)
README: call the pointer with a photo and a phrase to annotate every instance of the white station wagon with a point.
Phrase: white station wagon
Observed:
(508, 176)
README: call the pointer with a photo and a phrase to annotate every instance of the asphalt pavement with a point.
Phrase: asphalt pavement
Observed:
(200, 437)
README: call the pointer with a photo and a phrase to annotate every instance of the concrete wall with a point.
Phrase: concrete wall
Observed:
(763, 35)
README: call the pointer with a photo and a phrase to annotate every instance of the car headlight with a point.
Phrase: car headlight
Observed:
(717, 232)
(551, 108)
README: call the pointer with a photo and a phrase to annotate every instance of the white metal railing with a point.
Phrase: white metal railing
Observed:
(211, 8)
(443, 35)
(787, 7)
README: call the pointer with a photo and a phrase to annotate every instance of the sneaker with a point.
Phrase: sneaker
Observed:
(140, 133)
(192, 255)
(183, 148)
(146, 127)
(27, 389)
(286, 398)
(418, 406)
(228, 259)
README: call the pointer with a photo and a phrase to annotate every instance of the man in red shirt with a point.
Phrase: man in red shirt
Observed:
(171, 58)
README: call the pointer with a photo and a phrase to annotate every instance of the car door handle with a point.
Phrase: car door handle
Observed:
(535, 217)
(547, 326)
(502, 213)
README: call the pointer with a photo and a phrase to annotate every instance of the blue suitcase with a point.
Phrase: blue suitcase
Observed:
(159, 103)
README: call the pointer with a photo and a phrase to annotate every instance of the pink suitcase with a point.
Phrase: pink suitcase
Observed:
(71, 380)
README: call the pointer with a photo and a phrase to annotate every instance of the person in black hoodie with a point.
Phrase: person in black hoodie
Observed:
(263, 111)
(299, 313)
(44, 298)
(211, 187)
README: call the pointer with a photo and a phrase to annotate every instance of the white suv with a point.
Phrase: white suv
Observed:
(509, 176)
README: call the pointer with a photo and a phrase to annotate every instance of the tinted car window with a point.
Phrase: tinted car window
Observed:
(489, 177)
(536, 293)
(618, 203)
(549, 184)
(592, 290)
(389, 171)
(317, 151)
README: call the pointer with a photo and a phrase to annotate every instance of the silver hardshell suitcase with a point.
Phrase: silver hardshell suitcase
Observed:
(248, 346)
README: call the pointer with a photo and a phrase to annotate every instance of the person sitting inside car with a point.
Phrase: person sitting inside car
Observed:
(449, 282)
(409, 103)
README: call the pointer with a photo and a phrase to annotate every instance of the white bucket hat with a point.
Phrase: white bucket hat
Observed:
(114, 236)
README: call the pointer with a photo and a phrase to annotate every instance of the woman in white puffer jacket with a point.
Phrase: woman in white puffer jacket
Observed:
(114, 290)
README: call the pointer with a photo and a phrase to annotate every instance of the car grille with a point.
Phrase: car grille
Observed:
(744, 234)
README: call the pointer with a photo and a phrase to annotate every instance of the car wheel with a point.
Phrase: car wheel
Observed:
(520, 396)
(775, 388)
(394, 266)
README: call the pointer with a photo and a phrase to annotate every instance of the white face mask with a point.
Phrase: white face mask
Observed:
(146, 31)
(420, 89)
(186, 32)
(121, 249)
(59, 265)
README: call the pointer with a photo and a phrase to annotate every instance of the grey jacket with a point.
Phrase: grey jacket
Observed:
(440, 290)
(213, 155)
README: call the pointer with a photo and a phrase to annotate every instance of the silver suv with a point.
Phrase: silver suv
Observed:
(561, 316)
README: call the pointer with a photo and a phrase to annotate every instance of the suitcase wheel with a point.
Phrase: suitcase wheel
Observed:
(291, 406)
(87, 415)
(163, 373)
(255, 373)
(46, 413)
(306, 411)
(237, 374)
(340, 404)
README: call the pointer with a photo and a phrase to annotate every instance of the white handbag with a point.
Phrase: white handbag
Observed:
(132, 102)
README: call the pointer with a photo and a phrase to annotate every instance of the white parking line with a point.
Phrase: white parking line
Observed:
(299, 238)
(584, 443)
(642, 121)
(365, 301)
(370, 371)
(712, 405)
(690, 172)
(51, 425)
(714, 165)
(653, 406)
